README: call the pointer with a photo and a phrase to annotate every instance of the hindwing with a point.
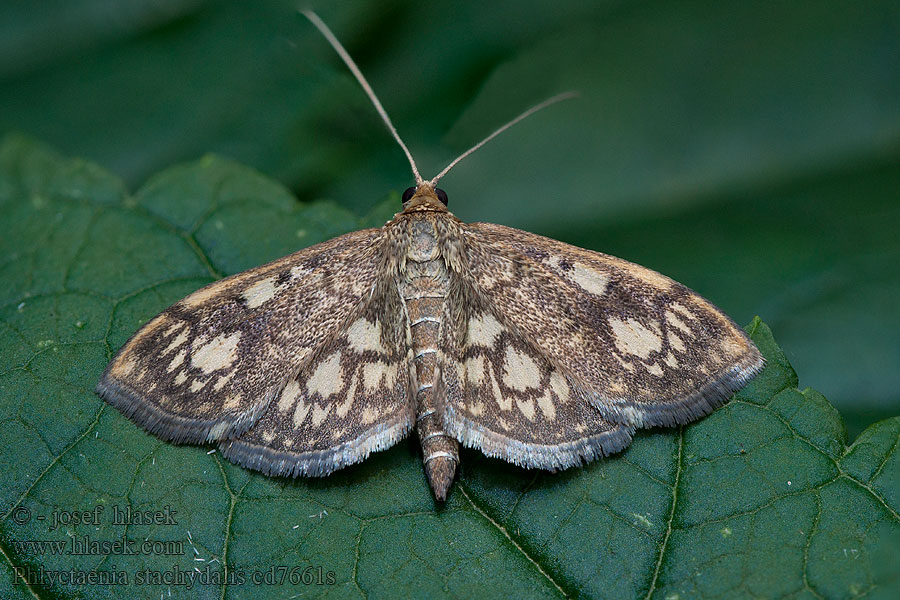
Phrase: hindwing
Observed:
(350, 400)
(502, 395)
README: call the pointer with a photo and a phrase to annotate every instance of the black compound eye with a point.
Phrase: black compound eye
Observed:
(442, 195)
(407, 194)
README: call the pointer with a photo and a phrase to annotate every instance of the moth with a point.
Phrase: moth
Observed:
(529, 349)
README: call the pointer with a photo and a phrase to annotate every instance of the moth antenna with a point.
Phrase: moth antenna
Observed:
(345, 56)
(524, 115)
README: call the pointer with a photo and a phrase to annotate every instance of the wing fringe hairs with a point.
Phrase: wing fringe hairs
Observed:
(174, 428)
(704, 401)
(549, 457)
(269, 461)
(316, 463)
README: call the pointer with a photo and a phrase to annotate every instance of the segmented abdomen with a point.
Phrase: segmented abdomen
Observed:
(426, 292)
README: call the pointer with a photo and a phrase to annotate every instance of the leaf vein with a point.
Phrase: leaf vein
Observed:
(515, 544)
(679, 465)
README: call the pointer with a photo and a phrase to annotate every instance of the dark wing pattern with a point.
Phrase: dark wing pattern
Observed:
(503, 396)
(207, 367)
(645, 350)
(351, 399)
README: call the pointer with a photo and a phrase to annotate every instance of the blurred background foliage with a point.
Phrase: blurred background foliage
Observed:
(750, 150)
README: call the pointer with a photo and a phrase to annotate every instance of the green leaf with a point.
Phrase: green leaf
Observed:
(764, 498)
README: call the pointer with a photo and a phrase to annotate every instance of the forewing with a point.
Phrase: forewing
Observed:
(647, 350)
(505, 398)
(206, 368)
(350, 400)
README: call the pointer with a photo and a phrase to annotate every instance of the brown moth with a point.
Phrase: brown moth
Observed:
(532, 350)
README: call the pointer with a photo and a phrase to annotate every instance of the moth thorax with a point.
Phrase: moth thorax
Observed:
(423, 244)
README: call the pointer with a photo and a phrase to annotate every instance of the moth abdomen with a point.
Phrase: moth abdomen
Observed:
(424, 288)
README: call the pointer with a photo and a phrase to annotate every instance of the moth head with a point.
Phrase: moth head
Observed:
(424, 197)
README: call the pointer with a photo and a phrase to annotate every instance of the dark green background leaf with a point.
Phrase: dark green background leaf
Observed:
(749, 150)
(764, 498)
